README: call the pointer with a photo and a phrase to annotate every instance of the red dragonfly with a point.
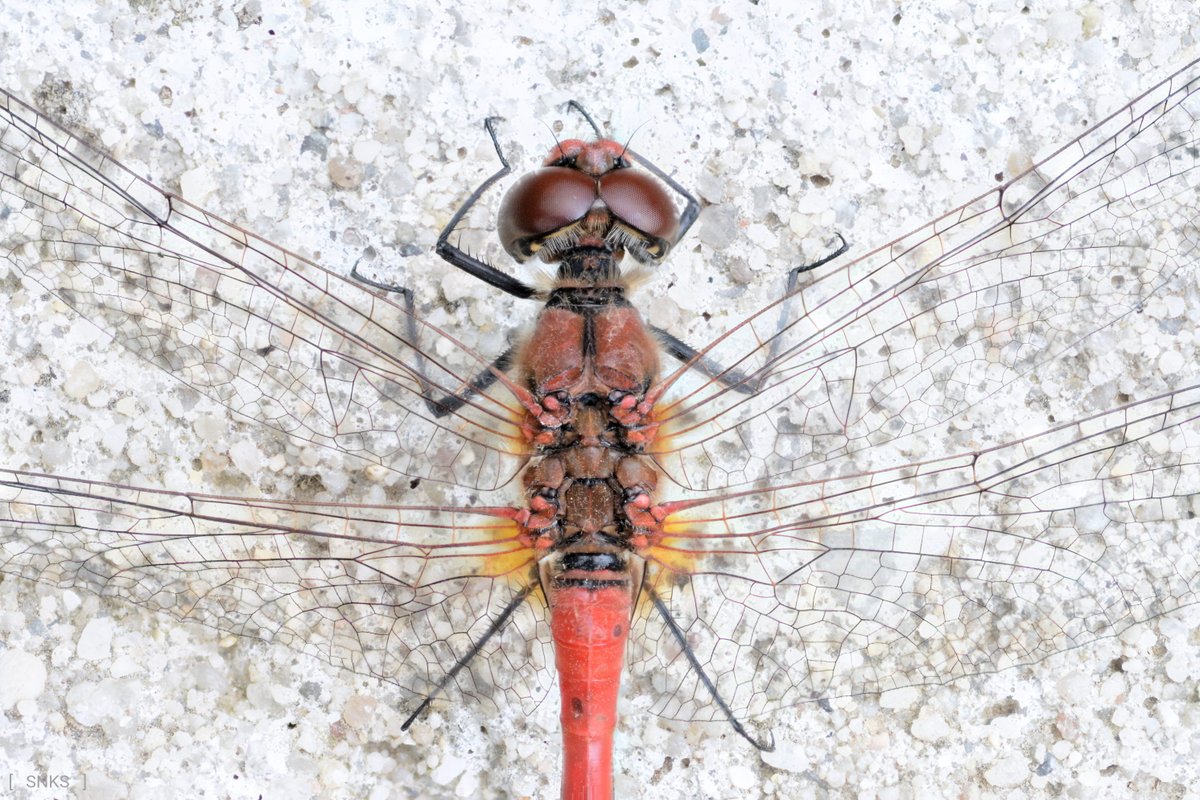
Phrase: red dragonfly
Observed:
(754, 511)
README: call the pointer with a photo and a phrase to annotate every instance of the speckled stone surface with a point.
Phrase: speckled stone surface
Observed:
(342, 133)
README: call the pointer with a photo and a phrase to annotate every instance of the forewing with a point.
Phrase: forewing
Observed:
(938, 326)
(272, 336)
(928, 572)
(400, 593)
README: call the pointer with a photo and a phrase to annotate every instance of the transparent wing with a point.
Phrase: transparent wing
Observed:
(938, 326)
(806, 574)
(852, 529)
(269, 334)
(400, 593)
(928, 572)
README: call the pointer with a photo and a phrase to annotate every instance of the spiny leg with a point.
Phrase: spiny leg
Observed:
(440, 405)
(698, 669)
(496, 626)
(577, 108)
(732, 378)
(460, 259)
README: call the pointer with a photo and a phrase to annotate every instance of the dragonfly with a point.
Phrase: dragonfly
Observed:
(822, 532)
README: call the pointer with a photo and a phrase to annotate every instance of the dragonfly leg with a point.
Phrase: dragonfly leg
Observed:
(796, 272)
(698, 668)
(460, 259)
(575, 106)
(439, 404)
(735, 379)
(683, 352)
(496, 626)
(691, 208)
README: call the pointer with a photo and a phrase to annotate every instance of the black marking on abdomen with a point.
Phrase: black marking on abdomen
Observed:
(592, 562)
(589, 583)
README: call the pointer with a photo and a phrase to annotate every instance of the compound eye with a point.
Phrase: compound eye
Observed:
(539, 204)
(641, 203)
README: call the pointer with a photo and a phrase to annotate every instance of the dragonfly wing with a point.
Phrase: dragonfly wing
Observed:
(397, 593)
(924, 573)
(267, 333)
(942, 325)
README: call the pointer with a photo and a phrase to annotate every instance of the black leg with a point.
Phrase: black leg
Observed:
(681, 639)
(439, 404)
(735, 379)
(465, 659)
(574, 106)
(460, 259)
(683, 352)
(691, 208)
(796, 272)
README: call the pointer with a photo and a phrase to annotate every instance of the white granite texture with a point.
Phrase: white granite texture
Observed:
(865, 118)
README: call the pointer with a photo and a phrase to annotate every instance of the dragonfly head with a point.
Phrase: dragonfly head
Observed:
(587, 195)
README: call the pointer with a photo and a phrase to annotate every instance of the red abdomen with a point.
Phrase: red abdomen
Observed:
(589, 620)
